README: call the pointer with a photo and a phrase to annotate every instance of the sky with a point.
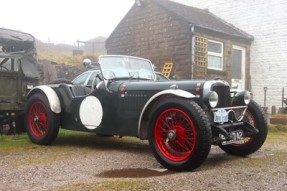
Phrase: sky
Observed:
(63, 21)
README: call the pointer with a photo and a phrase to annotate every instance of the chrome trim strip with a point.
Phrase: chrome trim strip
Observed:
(231, 109)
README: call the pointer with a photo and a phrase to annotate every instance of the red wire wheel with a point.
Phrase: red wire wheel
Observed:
(42, 124)
(175, 134)
(38, 119)
(179, 134)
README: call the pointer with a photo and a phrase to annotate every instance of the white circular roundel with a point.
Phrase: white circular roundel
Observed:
(91, 112)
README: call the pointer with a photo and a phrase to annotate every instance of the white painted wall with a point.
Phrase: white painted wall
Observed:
(267, 21)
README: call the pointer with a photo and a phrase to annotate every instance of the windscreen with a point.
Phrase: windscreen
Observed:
(126, 67)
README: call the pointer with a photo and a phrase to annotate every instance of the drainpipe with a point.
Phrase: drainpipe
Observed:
(282, 97)
(265, 91)
(192, 50)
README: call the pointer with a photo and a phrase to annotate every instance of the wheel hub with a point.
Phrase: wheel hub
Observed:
(171, 135)
(36, 119)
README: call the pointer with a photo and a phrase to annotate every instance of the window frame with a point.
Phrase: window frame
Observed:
(220, 55)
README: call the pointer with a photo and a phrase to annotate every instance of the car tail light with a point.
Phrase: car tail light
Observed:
(122, 91)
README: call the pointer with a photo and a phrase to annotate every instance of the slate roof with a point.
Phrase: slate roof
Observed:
(202, 19)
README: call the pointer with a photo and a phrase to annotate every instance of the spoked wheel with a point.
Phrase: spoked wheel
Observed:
(175, 134)
(38, 119)
(255, 116)
(179, 134)
(42, 125)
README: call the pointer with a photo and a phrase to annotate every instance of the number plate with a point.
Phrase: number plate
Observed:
(221, 116)
(236, 136)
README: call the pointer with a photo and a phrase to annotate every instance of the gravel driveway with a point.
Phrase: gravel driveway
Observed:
(98, 163)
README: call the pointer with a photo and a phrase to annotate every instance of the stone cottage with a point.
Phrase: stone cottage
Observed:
(199, 44)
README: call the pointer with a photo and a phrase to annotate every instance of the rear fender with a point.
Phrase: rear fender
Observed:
(51, 95)
(142, 126)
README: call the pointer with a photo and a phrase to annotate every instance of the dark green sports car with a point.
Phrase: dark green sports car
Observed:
(181, 119)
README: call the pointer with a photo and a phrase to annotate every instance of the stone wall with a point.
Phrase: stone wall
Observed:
(53, 71)
(68, 72)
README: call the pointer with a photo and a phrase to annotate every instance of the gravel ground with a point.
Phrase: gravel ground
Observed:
(128, 164)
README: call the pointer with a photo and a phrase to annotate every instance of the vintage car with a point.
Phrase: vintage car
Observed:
(180, 119)
(19, 72)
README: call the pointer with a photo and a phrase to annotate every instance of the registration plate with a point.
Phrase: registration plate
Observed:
(236, 136)
(221, 116)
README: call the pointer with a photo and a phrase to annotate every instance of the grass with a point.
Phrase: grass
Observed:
(14, 142)
(21, 141)
(280, 115)
(278, 128)
(31, 153)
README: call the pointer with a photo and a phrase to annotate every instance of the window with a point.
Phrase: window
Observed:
(92, 77)
(81, 79)
(215, 55)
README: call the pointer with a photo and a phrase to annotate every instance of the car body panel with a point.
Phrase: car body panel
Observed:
(126, 106)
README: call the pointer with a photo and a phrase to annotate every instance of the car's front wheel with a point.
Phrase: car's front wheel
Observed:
(179, 134)
(255, 116)
(42, 124)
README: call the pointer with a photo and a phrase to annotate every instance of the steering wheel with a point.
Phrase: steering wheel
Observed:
(3, 68)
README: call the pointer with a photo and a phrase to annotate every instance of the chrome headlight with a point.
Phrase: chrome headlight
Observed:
(242, 98)
(213, 99)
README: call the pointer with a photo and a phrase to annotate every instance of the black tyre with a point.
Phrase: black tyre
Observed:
(179, 134)
(42, 125)
(256, 117)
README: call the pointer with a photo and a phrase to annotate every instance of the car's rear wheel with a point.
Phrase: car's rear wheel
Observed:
(255, 116)
(42, 125)
(179, 134)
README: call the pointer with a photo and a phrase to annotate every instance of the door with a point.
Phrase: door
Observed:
(238, 67)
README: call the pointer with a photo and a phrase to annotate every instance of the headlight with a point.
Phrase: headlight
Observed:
(242, 98)
(213, 99)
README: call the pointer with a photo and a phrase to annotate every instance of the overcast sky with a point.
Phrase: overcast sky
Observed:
(63, 21)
